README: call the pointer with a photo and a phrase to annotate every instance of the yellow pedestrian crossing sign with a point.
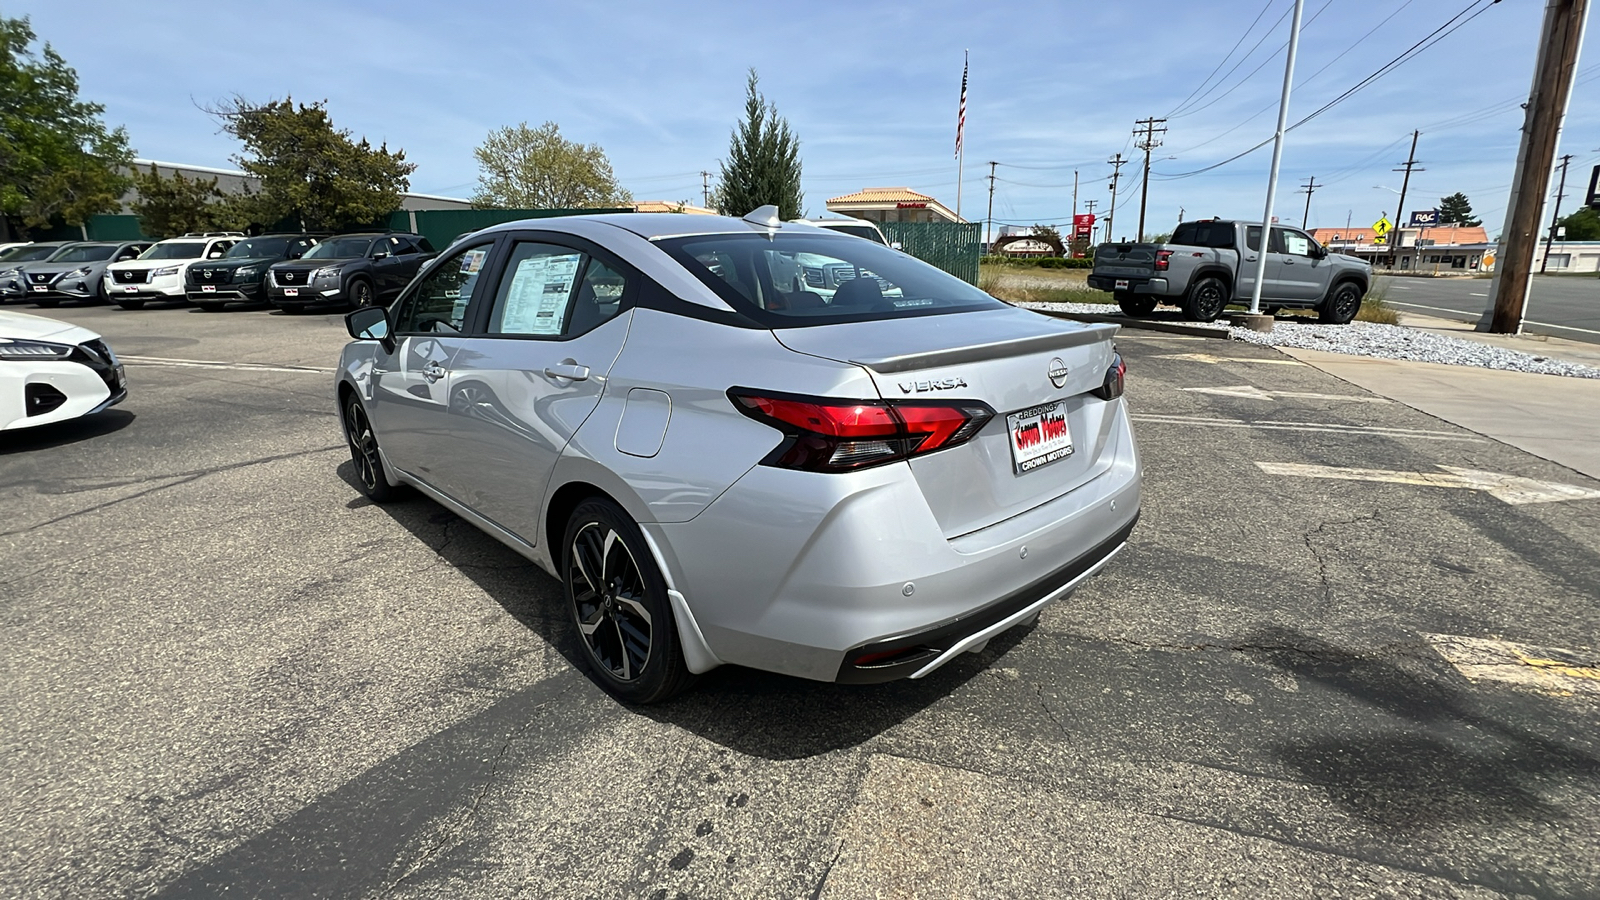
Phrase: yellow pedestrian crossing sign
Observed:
(1381, 227)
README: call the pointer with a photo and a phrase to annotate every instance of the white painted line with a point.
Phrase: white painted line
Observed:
(1402, 287)
(1319, 427)
(1250, 392)
(1462, 312)
(1512, 489)
(1213, 360)
(214, 364)
(1455, 312)
(1476, 294)
(1548, 669)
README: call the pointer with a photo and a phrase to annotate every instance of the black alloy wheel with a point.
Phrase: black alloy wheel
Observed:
(1134, 305)
(1342, 305)
(360, 293)
(619, 605)
(364, 452)
(1206, 300)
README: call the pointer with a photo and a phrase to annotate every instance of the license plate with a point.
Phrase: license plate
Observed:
(130, 290)
(39, 288)
(208, 289)
(1039, 436)
(291, 292)
(1122, 284)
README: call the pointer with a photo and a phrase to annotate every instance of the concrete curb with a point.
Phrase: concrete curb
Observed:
(1191, 329)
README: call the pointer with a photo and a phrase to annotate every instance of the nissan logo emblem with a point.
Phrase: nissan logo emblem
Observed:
(1058, 372)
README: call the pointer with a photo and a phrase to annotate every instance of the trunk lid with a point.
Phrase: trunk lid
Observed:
(1005, 359)
(1126, 260)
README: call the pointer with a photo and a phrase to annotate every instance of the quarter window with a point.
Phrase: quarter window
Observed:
(438, 305)
(552, 291)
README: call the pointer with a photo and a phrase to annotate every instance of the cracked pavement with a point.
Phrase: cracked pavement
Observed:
(226, 673)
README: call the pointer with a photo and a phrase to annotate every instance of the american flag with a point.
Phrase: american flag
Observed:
(961, 117)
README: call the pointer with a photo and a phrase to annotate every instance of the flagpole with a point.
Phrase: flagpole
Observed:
(961, 163)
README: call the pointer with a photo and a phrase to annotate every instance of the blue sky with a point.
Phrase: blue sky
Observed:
(869, 88)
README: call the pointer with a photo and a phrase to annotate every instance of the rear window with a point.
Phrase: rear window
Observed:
(1204, 234)
(792, 280)
(87, 253)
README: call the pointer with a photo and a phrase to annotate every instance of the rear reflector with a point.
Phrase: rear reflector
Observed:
(829, 435)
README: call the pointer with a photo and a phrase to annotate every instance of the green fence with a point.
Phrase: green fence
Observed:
(441, 226)
(952, 246)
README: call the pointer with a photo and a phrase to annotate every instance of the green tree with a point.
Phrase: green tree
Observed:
(1583, 225)
(763, 164)
(178, 205)
(537, 168)
(1047, 233)
(1455, 210)
(57, 158)
(311, 170)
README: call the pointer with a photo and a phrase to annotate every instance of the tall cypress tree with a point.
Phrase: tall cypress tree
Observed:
(763, 164)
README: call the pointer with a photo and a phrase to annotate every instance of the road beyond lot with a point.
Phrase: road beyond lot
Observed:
(228, 674)
(1564, 306)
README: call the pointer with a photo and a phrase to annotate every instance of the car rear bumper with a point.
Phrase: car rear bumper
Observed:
(855, 581)
(1157, 286)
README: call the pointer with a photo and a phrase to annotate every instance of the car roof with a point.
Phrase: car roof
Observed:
(653, 226)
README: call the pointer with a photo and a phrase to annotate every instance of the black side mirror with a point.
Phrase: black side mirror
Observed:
(369, 323)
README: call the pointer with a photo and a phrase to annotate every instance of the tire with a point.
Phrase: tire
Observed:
(1206, 300)
(360, 292)
(131, 304)
(100, 295)
(210, 307)
(1341, 305)
(1134, 305)
(364, 452)
(617, 597)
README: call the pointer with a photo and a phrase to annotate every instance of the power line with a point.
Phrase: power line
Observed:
(1241, 82)
(1180, 112)
(1225, 58)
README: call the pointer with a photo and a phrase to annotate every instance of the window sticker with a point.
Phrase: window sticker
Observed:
(1298, 245)
(472, 261)
(537, 300)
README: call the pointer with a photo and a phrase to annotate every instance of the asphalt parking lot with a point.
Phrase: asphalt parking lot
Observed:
(228, 674)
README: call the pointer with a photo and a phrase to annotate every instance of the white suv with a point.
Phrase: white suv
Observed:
(158, 273)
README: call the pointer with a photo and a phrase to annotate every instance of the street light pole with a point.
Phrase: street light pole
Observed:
(1277, 159)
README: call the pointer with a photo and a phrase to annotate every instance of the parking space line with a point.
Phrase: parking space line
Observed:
(1213, 360)
(215, 364)
(1548, 669)
(1322, 427)
(1512, 489)
(1250, 392)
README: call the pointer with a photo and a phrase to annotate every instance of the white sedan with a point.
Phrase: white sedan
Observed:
(51, 371)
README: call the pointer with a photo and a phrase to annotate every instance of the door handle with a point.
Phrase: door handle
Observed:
(433, 372)
(1249, 259)
(569, 371)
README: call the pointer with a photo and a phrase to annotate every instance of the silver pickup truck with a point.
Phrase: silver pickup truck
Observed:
(1212, 263)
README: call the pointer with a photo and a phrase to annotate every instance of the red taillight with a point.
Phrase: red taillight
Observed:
(833, 435)
(1163, 258)
(1111, 388)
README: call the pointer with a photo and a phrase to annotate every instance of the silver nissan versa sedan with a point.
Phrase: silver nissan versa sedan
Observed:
(748, 441)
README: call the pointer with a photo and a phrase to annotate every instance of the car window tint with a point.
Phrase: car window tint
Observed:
(1252, 237)
(403, 246)
(439, 302)
(599, 297)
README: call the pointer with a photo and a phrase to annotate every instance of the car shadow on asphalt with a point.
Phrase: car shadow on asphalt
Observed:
(1450, 755)
(60, 434)
(746, 710)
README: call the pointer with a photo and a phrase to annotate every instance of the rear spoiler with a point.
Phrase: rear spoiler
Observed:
(1078, 337)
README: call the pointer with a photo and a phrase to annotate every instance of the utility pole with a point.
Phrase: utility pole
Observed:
(1074, 194)
(1308, 189)
(705, 188)
(1559, 40)
(1180, 215)
(1556, 216)
(1398, 233)
(1117, 162)
(1277, 160)
(1147, 142)
(989, 219)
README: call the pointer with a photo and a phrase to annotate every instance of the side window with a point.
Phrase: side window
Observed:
(438, 305)
(1296, 243)
(553, 291)
(423, 244)
(1252, 237)
(129, 253)
(218, 249)
(403, 246)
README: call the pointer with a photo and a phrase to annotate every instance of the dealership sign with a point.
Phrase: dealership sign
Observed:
(1083, 225)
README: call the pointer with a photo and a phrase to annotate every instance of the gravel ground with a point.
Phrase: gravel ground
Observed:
(1383, 342)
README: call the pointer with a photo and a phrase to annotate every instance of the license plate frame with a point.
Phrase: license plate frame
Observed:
(130, 290)
(1039, 435)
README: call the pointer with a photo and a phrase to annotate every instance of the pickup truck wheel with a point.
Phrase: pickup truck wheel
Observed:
(1206, 300)
(1341, 305)
(1134, 305)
